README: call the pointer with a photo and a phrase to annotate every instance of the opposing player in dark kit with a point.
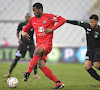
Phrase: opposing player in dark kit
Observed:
(93, 44)
(24, 46)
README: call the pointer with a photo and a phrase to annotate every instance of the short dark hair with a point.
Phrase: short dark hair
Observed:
(94, 16)
(38, 5)
(28, 14)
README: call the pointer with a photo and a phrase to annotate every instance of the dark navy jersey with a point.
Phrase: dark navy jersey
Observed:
(92, 35)
(30, 32)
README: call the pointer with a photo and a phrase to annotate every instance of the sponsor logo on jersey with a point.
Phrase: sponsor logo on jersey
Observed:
(87, 32)
(96, 34)
(44, 21)
(41, 31)
(88, 29)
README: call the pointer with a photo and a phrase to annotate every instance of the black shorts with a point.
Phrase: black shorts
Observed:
(93, 55)
(23, 48)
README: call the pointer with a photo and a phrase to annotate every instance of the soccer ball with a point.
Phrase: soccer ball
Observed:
(12, 82)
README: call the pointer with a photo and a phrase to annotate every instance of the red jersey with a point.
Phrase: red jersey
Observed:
(39, 24)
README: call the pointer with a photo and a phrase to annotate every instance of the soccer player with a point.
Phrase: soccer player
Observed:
(24, 46)
(43, 25)
(93, 44)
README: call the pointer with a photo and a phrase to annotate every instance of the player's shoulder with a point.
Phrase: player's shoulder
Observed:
(48, 14)
(32, 18)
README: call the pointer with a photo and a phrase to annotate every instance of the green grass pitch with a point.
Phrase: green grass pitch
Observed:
(73, 76)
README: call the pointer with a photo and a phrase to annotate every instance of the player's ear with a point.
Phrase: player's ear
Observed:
(40, 9)
(97, 22)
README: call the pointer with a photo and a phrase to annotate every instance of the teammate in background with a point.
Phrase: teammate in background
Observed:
(43, 25)
(24, 46)
(93, 44)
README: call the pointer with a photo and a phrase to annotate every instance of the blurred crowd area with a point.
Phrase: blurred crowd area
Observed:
(12, 12)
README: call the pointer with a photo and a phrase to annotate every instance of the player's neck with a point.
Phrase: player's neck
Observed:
(40, 15)
(96, 27)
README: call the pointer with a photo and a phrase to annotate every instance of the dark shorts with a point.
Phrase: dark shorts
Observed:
(23, 48)
(93, 55)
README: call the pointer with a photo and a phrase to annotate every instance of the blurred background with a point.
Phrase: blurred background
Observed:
(69, 40)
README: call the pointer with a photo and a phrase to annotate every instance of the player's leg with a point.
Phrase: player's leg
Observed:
(37, 56)
(35, 72)
(12, 67)
(48, 73)
(14, 64)
(97, 65)
(97, 59)
(90, 70)
(31, 51)
(44, 49)
(20, 53)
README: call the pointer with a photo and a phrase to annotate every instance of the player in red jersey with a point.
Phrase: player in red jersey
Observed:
(43, 25)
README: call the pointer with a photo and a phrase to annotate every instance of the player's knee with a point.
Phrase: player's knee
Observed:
(41, 66)
(39, 52)
(96, 66)
(87, 67)
(87, 64)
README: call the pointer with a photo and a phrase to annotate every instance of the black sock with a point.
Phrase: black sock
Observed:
(93, 73)
(58, 82)
(13, 64)
(35, 70)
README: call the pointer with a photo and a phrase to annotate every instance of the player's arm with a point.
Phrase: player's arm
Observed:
(79, 23)
(60, 21)
(26, 29)
(17, 34)
(19, 40)
(72, 22)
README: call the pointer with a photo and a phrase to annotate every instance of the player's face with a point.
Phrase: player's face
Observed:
(37, 12)
(93, 23)
(27, 17)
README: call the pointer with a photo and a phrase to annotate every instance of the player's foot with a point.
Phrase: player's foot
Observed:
(7, 75)
(58, 86)
(26, 76)
(36, 76)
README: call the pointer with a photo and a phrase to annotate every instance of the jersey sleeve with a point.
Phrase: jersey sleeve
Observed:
(58, 19)
(28, 26)
(19, 28)
(79, 23)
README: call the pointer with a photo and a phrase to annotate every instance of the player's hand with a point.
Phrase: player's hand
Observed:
(48, 30)
(20, 41)
(25, 35)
